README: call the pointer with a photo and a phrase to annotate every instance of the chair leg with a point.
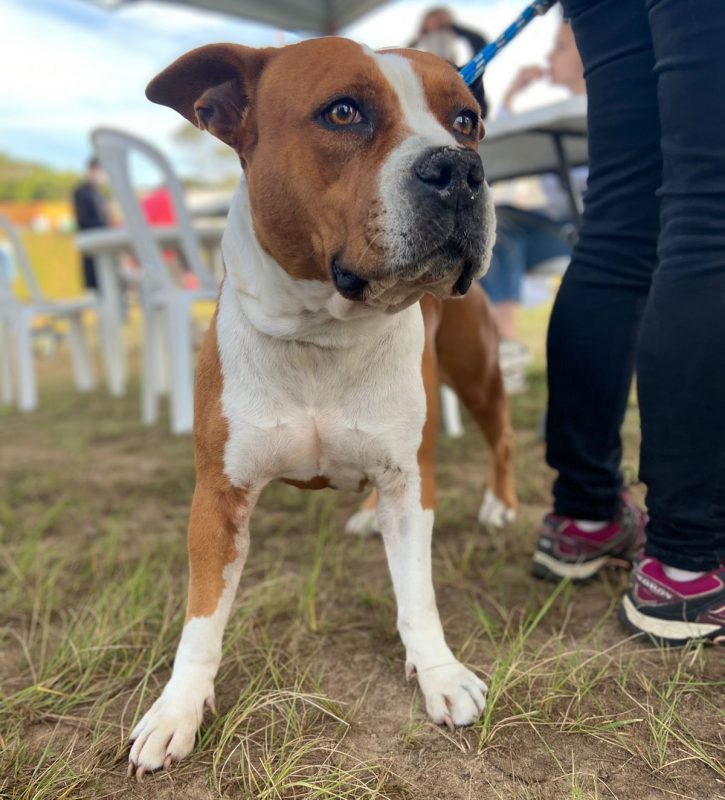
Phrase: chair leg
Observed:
(152, 332)
(83, 369)
(6, 371)
(161, 355)
(451, 413)
(110, 325)
(27, 384)
(182, 378)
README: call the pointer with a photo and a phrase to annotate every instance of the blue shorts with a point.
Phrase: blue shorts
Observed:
(524, 239)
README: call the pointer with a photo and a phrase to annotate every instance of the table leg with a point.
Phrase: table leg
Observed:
(565, 177)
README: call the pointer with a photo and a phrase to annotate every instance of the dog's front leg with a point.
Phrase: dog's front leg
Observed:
(453, 694)
(218, 544)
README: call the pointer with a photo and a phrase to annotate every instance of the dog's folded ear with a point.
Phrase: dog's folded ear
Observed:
(212, 87)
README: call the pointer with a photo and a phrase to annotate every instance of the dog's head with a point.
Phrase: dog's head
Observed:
(362, 167)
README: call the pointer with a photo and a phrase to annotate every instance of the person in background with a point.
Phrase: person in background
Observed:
(90, 212)
(441, 35)
(526, 238)
(645, 287)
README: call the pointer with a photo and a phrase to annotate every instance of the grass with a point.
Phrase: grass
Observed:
(311, 694)
(55, 262)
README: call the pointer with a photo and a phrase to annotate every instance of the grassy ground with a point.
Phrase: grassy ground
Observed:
(311, 694)
(55, 263)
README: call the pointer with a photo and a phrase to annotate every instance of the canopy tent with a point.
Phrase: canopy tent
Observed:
(313, 16)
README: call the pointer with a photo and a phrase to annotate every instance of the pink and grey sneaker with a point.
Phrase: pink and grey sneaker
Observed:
(674, 612)
(566, 551)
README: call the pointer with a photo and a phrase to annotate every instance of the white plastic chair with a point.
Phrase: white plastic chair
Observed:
(16, 327)
(166, 306)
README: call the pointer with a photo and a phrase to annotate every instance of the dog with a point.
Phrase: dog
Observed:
(362, 191)
(461, 351)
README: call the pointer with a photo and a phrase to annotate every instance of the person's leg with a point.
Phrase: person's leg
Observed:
(502, 282)
(595, 321)
(681, 365)
(90, 279)
(524, 238)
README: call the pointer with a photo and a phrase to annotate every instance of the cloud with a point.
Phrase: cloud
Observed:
(69, 67)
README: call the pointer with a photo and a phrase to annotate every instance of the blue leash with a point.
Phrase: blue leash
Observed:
(472, 71)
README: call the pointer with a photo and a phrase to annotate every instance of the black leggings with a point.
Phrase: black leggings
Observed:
(647, 279)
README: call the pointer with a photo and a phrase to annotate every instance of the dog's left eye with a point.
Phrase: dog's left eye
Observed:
(342, 113)
(466, 123)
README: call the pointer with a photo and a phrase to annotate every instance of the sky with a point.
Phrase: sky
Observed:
(68, 66)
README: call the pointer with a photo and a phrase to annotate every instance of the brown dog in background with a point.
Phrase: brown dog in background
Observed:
(461, 351)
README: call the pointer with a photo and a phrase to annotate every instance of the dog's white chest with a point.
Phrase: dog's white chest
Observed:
(302, 443)
(300, 411)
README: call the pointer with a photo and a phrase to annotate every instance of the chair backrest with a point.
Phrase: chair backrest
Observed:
(114, 149)
(21, 260)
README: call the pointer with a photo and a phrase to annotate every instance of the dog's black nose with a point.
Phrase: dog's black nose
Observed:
(454, 175)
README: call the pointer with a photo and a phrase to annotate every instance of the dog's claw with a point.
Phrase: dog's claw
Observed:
(449, 722)
(168, 728)
(131, 768)
(409, 670)
(210, 703)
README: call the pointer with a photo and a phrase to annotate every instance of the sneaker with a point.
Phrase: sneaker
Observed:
(566, 551)
(674, 612)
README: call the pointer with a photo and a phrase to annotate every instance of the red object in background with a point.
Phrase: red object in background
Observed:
(158, 207)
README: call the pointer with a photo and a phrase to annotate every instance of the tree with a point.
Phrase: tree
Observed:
(25, 181)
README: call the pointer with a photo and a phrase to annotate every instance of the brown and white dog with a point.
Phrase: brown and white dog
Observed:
(461, 351)
(362, 191)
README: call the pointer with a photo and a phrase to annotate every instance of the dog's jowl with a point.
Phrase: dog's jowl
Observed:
(362, 191)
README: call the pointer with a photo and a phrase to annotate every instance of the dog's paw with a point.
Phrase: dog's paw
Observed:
(167, 731)
(363, 523)
(454, 696)
(494, 513)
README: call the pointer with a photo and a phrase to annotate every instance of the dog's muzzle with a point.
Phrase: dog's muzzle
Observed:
(439, 238)
(447, 193)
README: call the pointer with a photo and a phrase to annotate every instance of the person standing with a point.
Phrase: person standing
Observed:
(527, 237)
(441, 35)
(646, 286)
(90, 212)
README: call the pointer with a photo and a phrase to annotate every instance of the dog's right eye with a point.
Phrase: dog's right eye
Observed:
(466, 123)
(342, 113)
